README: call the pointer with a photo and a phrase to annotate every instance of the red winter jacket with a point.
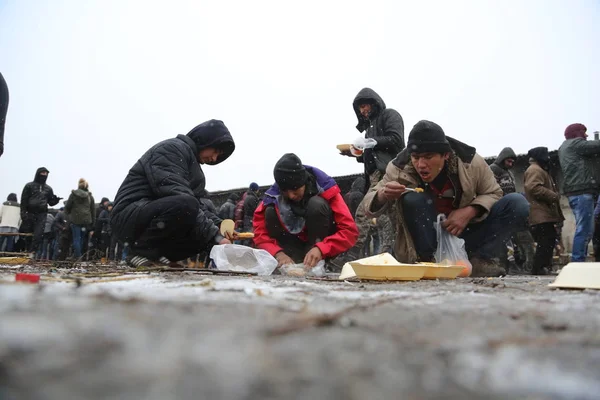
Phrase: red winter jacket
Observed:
(342, 240)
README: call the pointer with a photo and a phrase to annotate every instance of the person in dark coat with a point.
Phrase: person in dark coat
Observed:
(522, 241)
(386, 127)
(97, 237)
(250, 203)
(157, 208)
(303, 217)
(502, 170)
(208, 207)
(227, 209)
(355, 195)
(59, 226)
(103, 230)
(3, 110)
(36, 197)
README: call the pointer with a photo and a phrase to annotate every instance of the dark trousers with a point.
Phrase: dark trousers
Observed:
(168, 228)
(34, 223)
(319, 224)
(545, 236)
(484, 240)
(103, 242)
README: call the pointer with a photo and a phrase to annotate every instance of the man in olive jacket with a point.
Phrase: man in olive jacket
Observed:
(457, 182)
(81, 209)
(545, 212)
(579, 163)
(157, 209)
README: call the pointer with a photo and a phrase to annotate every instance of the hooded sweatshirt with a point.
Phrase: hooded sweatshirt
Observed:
(37, 195)
(171, 168)
(503, 175)
(385, 125)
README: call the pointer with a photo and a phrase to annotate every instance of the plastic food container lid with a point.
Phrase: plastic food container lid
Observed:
(30, 278)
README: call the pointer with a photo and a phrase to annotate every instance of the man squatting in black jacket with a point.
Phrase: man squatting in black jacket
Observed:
(157, 209)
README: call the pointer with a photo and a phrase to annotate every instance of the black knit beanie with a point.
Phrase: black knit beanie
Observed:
(289, 172)
(12, 197)
(427, 137)
(539, 154)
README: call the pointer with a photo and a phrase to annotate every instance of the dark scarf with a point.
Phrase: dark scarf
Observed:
(299, 208)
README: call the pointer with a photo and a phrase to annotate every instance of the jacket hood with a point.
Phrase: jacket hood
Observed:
(80, 193)
(367, 95)
(40, 178)
(358, 185)
(506, 153)
(539, 154)
(213, 133)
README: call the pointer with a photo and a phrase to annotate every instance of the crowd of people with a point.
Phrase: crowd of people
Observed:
(162, 213)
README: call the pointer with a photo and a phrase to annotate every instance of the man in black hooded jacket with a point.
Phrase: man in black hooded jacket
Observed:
(157, 208)
(35, 198)
(386, 127)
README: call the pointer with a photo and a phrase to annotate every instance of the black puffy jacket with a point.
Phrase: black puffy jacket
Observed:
(37, 195)
(384, 125)
(171, 167)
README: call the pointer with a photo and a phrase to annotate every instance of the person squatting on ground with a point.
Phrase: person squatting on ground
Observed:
(35, 198)
(522, 241)
(10, 221)
(81, 209)
(157, 209)
(303, 217)
(545, 211)
(580, 164)
(386, 127)
(456, 182)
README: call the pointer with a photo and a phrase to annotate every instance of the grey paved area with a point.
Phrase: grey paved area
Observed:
(181, 335)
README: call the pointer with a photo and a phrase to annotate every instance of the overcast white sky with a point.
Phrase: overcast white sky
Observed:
(94, 84)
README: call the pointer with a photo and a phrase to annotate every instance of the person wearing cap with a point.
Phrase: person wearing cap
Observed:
(157, 209)
(303, 217)
(579, 161)
(35, 198)
(545, 212)
(385, 126)
(457, 182)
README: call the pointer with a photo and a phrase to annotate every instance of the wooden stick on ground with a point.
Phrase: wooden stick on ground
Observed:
(322, 319)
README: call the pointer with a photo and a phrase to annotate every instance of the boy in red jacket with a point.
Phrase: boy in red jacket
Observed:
(303, 217)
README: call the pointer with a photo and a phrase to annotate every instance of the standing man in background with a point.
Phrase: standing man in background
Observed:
(579, 163)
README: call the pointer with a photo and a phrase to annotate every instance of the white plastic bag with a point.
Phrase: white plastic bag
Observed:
(362, 143)
(235, 257)
(300, 271)
(450, 248)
